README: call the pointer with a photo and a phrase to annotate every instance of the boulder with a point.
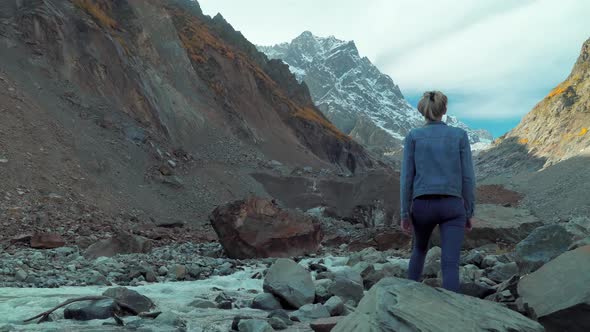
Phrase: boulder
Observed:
(432, 262)
(121, 243)
(266, 301)
(348, 285)
(290, 282)
(89, 310)
(325, 324)
(203, 304)
(558, 292)
(310, 312)
(541, 246)
(47, 241)
(502, 271)
(254, 325)
(335, 306)
(131, 298)
(497, 224)
(322, 293)
(402, 305)
(257, 228)
(278, 323)
(397, 269)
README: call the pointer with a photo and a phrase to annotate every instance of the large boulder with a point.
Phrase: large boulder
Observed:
(257, 228)
(310, 312)
(120, 243)
(541, 246)
(559, 294)
(348, 285)
(89, 310)
(290, 282)
(497, 224)
(402, 305)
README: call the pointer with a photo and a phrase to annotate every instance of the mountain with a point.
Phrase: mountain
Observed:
(147, 110)
(556, 129)
(359, 99)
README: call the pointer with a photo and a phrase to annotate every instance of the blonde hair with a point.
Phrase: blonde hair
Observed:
(433, 105)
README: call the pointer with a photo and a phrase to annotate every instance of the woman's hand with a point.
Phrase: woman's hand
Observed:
(406, 225)
(469, 224)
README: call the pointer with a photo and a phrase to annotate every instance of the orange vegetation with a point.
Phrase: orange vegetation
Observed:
(561, 88)
(583, 132)
(523, 140)
(98, 10)
(312, 115)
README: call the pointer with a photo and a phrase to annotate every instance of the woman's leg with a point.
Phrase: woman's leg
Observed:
(423, 227)
(452, 233)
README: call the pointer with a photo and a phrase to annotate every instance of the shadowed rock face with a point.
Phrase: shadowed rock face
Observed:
(257, 228)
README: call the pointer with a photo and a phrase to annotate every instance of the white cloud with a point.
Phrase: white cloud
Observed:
(497, 57)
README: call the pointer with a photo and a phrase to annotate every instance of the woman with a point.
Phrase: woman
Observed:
(437, 188)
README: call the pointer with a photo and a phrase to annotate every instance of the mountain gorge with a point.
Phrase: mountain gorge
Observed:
(359, 99)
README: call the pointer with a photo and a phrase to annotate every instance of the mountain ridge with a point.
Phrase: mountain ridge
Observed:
(352, 92)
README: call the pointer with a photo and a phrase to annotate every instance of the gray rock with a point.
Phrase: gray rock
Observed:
(432, 262)
(474, 257)
(170, 319)
(266, 301)
(203, 304)
(321, 289)
(89, 310)
(502, 271)
(541, 246)
(335, 306)
(310, 312)
(20, 275)
(130, 297)
(403, 305)
(368, 255)
(489, 261)
(348, 285)
(282, 315)
(290, 282)
(476, 289)
(558, 293)
(580, 243)
(163, 270)
(278, 324)
(254, 325)
(397, 269)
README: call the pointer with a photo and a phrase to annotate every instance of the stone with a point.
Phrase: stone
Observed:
(432, 262)
(502, 271)
(402, 305)
(254, 325)
(310, 312)
(397, 269)
(580, 243)
(266, 301)
(392, 240)
(282, 315)
(321, 290)
(130, 297)
(170, 319)
(541, 246)
(474, 257)
(179, 272)
(89, 310)
(20, 275)
(121, 243)
(369, 255)
(277, 323)
(290, 282)
(47, 241)
(258, 228)
(476, 289)
(558, 293)
(335, 306)
(203, 304)
(489, 261)
(325, 324)
(170, 223)
(163, 270)
(348, 285)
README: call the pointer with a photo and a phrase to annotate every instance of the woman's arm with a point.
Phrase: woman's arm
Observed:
(468, 191)
(407, 177)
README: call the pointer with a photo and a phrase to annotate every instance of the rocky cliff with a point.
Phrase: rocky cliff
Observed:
(149, 107)
(555, 130)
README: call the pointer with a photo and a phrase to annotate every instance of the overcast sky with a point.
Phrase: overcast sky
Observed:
(494, 58)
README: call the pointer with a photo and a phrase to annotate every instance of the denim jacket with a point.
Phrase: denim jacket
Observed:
(437, 161)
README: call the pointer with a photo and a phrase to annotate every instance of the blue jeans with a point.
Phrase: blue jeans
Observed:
(449, 213)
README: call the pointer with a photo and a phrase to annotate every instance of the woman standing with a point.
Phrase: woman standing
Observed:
(437, 188)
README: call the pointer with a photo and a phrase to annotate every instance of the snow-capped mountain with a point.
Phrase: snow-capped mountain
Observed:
(360, 100)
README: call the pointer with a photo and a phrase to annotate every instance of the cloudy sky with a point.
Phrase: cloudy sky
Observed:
(494, 58)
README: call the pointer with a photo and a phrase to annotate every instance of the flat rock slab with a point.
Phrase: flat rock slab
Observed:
(559, 292)
(402, 305)
(290, 282)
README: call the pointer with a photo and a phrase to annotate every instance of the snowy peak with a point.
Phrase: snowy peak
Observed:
(358, 98)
